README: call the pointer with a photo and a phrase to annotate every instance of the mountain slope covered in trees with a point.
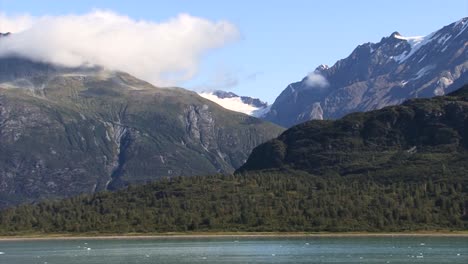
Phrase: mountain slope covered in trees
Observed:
(286, 201)
(420, 138)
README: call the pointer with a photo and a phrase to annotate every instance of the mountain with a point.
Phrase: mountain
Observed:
(420, 139)
(401, 168)
(243, 104)
(69, 131)
(376, 75)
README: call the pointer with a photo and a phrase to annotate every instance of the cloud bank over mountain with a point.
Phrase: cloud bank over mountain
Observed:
(164, 53)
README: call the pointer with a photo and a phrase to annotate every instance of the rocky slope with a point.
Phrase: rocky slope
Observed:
(243, 104)
(70, 131)
(422, 138)
(377, 75)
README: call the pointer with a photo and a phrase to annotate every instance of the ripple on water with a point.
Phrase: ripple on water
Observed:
(292, 251)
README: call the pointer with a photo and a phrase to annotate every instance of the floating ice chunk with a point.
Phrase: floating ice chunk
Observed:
(2, 253)
(273, 255)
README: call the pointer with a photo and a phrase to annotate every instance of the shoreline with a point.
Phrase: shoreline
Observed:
(207, 235)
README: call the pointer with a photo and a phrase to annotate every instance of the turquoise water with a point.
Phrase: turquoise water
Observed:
(239, 250)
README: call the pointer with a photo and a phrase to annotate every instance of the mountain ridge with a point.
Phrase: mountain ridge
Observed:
(421, 135)
(69, 131)
(379, 74)
(398, 169)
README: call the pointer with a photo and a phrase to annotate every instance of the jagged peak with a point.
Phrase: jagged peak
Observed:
(395, 34)
(461, 21)
(224, 94)
(322, 67)
(460, 26)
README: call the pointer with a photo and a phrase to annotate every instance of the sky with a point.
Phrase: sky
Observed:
(253, 48)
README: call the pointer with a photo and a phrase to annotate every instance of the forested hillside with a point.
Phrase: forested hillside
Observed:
(287, 201)
(396, 169)
(421, 138)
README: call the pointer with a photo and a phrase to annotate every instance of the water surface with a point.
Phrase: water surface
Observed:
(239, 250)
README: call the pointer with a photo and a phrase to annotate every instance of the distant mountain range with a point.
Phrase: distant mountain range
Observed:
(69, 131)
(243, 104)
(378, 74)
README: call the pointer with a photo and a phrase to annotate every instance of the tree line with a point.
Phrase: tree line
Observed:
(267, 201)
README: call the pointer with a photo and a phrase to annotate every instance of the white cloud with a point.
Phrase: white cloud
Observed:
(15, 24)
(317, 80)
(164, 53)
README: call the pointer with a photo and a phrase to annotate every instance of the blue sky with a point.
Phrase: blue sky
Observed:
(281, 41)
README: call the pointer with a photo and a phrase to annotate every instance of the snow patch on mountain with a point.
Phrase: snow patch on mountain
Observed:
(464, 25)
(423, 71)
(236, 104)
(411, 40)
(415, 43)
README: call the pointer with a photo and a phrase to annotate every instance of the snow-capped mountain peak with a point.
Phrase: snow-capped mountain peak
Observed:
(380, 74)
(413, 41)
(243, 104)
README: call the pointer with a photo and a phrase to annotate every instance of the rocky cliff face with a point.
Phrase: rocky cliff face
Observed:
(69, 131)
(377, 75)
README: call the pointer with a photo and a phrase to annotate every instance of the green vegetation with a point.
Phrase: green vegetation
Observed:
(268, 201)
(402, 168)
(421, 138)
